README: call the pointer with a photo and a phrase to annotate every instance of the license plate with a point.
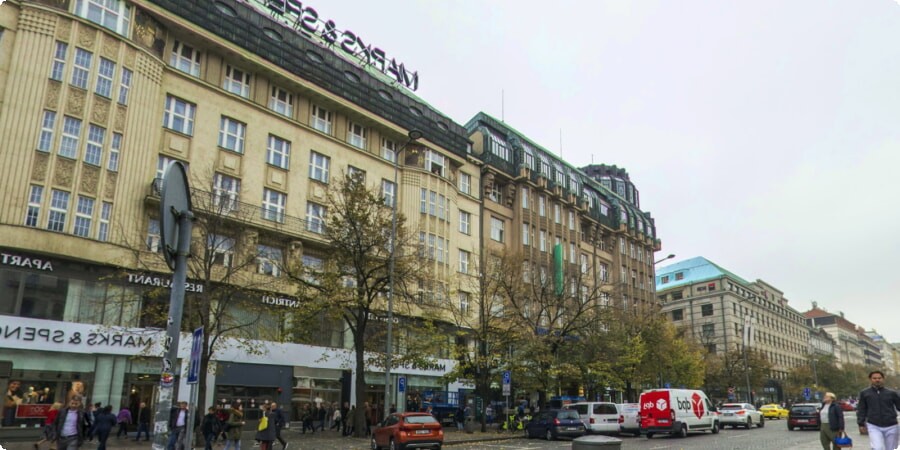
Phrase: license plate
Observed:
(802, 421)
(663, 420)
(571, 428)
(423, 431)
(729, 414)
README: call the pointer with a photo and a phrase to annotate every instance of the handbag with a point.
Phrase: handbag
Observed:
(843, 441)
(263, 423)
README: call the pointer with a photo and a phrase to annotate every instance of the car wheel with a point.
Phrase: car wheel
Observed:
(716, 427)
(790, 428)
(374, 444)
(762, 423)
(682, 432)
(649, 435)
(720, 426)
(392, 445)
(749, 423)
(550, 436)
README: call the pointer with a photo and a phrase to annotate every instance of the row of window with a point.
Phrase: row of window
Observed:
(83, 70)
(61, 207)
(70, 140)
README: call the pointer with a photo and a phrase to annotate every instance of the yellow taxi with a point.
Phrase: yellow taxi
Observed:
(773, 411)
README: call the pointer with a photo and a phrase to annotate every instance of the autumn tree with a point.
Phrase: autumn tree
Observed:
(730, 369)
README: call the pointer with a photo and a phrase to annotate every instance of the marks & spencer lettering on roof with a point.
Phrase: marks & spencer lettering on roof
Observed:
(305, 20)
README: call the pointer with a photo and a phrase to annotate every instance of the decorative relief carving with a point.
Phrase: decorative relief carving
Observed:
(149, 33)
(90, 178)
(129, 56)
(109, 187)
(100, 110)
(75, 102)
(150, 68)
(64, 30)
(39, 169)
(52, 99)
(120, 118)
(86, 36)
(37, 21)
(64, 172)
(110, 47)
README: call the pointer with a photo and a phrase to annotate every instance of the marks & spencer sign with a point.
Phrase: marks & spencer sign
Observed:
(305, 20)
(38, 334)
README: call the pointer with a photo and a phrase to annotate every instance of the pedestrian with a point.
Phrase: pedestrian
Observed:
(48, 433)
(265, 433)
(104, 422)
(369, 412)
(235, 426)
(489, 414)
(876, 413)
(392, 409)
(459, 416)
(178, 423)
(306, 419)
(280, 422)
(123, 419)
(70, 426)
(222, 415)
(89, 417)
(336, 419)
(329, 414)
(350, 421)
(143, 421)
(345, 418)
(210, 427)
(321, 416)
(832, 422)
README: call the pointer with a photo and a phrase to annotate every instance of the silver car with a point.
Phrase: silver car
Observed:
(740, 415)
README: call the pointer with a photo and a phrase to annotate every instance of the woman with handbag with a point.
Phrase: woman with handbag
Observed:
(832, 422)
(265, 432)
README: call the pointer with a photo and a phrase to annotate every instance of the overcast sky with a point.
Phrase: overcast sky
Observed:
(762, 135)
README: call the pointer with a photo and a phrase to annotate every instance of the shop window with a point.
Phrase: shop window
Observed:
(32, 295)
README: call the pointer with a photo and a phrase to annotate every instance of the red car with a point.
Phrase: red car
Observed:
(408, 430)
(846, 406)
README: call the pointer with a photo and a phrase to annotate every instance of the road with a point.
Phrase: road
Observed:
(774, 435)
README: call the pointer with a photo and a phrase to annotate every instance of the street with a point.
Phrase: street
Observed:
(773, 436)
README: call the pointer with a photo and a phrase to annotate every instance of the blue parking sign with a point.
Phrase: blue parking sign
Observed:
(806, 393)
(401, 384)
(506, 377)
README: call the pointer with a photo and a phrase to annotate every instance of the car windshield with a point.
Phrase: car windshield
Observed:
(420, 419)
(567, 414)
(731, 407)
(804, 409)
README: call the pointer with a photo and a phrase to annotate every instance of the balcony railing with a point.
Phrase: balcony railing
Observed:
(229, 208)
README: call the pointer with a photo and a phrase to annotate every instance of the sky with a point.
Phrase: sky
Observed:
(763, 135)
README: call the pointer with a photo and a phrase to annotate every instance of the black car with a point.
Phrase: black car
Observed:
(804, 415)
(555, 423)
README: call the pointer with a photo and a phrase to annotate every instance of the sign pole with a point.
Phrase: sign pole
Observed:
(193, 379)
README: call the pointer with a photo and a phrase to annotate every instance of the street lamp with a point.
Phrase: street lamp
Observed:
(413, 136)
(671, 255)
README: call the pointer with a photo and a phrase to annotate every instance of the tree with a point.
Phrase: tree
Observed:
(354, 282)
(729, 370)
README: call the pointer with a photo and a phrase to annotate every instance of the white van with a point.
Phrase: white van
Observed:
(598, 417)
(677, 411)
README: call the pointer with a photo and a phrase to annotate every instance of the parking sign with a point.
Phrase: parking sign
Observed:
(507, 379)
(401, 384)
(196, 350)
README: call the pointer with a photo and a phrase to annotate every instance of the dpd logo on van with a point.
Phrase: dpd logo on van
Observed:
(661, 404)
(697, 405)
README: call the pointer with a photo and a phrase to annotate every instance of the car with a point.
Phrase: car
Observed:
(555, 423)
(740, 415)
(630, 418)
(773, 411)
(598, 417)
(408, 430)
(803, 415)
(846, 406)
(677, 411)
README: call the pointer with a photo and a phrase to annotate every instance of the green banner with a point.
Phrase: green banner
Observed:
(558, 268)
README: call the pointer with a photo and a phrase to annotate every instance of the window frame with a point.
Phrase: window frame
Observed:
(465, 183)
(84, 213)
(465, 222)
(115, 150)
(103, 228)
(33, 209)
(58, 68)
(106, 70)
(190, 63)
(285, 106)
(226, 192)
(48, 126)
(319, 166)
(321, 119)
(388, 192)
(274, 204)
(357, 134)
(237, 81)
(278, 152)
(122, 22)
(497, 229)
(125, 85)
(81, 68)
(93, 149)
(315, 217)
(58, 211)
(70, 140)
(232, 134)
(172, 117)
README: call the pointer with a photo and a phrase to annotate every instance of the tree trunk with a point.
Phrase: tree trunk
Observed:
(359, 422)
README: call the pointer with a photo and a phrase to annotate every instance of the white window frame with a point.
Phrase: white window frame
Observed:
(319, 166)
(584, 264)
(125, 85)
(105, 214)
(226, 192)
(465, 222)
(179, 115)
(185, 58)
(59, 210)
(153, 236)
(278, 152)
(237, 81)
(463, 302)
(464, 261)
(525, 235)
(268, 260)
(357, 135)
(231, 134)
(542, 206)
(162, 162)
(572, 220)
(525, 201)
(48, 124)
(112, 14)
(221, 248)
(273, 205)
(499, 148)
(58, 69)
(281, 101)
(315, 217)
(465, 183)
(105, 72)
(497, 229)
(71, 135)
(115, 149)
(557, 213)
(93, 151)
(572, 252)
(529, 158)
(321, 119)
(81, 72)
(84, 212)
(33, 213)
(435, 162)
(388, 192)
(389, 150)
(542, 244)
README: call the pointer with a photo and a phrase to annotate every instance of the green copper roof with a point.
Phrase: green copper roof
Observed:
(692, 271)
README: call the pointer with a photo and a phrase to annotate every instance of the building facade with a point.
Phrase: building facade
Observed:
(886, 351)
(99, 97)
(844, 333)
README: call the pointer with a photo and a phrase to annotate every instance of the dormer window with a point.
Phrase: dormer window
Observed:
(435, 163)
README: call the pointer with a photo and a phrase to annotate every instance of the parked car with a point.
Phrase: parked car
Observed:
(846, 406)
(598, 417)
(630, 418)
(408, 430)
(555, 423)
(773, 411)
(803, 415)
(677, 411)
(740, 415)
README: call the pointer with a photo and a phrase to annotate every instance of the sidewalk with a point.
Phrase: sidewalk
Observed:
(328, 440)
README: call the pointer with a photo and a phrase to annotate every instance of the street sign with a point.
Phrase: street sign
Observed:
(174, 198)
(806, 393)
(401, 384)
(507, 380)
(668, 385)
(196, 351)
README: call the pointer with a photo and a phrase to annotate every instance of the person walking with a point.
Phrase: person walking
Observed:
(280, 422)
(321, 415)
(234, 427)
(346, 418)
(123, 419)
(48, 433)
(876, 413)
(70, 426)
(178, 423)
(143, 421)
(104, 422)
(307, 418)
(265, 433)
(210, 427)
(832, 421)
(336, 418)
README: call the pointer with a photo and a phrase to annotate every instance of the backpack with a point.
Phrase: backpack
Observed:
(263, 423)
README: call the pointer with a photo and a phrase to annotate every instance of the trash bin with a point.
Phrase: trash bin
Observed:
(595, 442)
(469, 425)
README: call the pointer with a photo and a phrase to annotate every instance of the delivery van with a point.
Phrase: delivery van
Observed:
(677, 411)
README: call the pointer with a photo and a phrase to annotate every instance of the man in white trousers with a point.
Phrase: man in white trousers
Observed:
(877, 413)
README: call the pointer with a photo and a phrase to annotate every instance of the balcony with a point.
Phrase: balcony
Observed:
(213, 204)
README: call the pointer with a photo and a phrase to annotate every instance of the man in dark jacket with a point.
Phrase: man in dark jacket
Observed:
(143, 420)
(280, 422)
(178, 422)
(70, 426)
(876, 413)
